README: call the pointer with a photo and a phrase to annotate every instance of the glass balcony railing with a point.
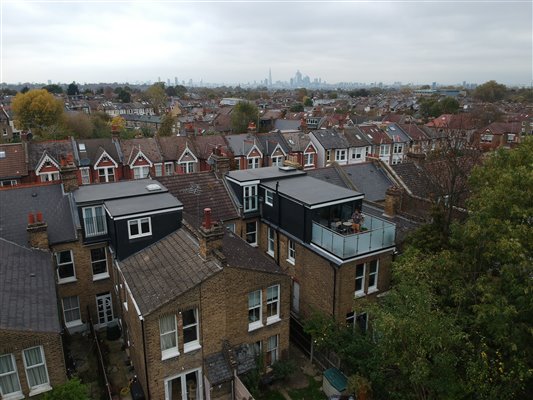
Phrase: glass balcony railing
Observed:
(376, 234)
(95, 226)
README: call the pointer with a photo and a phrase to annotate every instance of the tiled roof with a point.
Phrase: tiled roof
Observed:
(14, 164)
(172, 147)
(414, 177)
(330, 139)
(17, 202)
(57, 149)
(94, 149)
(27, 290)
(148, 146)
(166, 270)
(269, 141)
(356, 138)
(205, 144)
(413, 131)
(297, 141)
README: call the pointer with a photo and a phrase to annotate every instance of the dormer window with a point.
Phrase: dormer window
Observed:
(139, 227)
(250, 198)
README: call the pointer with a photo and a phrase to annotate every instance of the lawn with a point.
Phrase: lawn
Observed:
(311, 392)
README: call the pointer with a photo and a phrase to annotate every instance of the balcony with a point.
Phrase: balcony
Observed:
(95, 226)
(376, 234)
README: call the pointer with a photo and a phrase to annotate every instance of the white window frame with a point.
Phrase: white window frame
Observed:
(158, 169)
(95, 223)
(85, 174)
(169, 168)
(373, 275)
(106, 174)
(252, 162)
(249, 198)
(253, 325)
(269, 197)
(249, 233)
(309, 159)
(328, 155)
(141, 171)
(487, 138)
(184, 388)
(272, 349)
(277, 161)
(384, 150)
(49, 176)
(193, 344)
(398, 148)
(171, 351)
(271, 240)
(273, 301)
(291, 252)
(360, 292)
(18, 393)
(102, 275)
(43, 387)
(340, 155)
(59, 264)
(74, 322)
(139, 223)
(187, 166)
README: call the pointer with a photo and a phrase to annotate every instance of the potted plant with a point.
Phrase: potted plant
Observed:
(360, 386)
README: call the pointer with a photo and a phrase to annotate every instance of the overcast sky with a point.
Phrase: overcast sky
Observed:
(237, 42)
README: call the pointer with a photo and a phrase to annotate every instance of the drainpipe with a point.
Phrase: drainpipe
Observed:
(334, 288)
(144, 354)
(279, 221)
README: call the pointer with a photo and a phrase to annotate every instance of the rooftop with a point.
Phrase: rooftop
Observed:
(158, 201)
(266, 173)
(117, 190)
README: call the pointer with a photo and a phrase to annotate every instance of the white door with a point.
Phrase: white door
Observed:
(295, 297)
(104, 306)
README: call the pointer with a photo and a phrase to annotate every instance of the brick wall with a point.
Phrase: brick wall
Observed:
(14, 342)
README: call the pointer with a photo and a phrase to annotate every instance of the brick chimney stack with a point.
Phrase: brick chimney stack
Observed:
(69, 174)
(38, 231)
(211, 235)
(393, 201)
(221, 163)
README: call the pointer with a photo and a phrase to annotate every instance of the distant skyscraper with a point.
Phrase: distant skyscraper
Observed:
(168, 81)
(269, 77)
(175, 81)
(49, 82)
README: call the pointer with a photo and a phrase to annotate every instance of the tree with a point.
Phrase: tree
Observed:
(73, 89)
(71, 390)
(124, 96)
(157, 97)
(171, 91)
(490, 91)
(101, 124)
(37, 109)
(167, 125)
(53, 88)
(79, 124)
(118, 124)
(242, 114)
(25, 89)
(308, 102)
(449, 105)
(297, 107)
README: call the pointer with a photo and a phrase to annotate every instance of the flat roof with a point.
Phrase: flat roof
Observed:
(264, 173)
(313, 192)
(116, 190)
(128, 206)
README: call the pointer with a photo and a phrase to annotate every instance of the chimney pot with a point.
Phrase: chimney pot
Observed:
(207, 218)
(31, 219)
(39, 216)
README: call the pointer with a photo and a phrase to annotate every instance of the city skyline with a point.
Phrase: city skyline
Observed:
(226, 42)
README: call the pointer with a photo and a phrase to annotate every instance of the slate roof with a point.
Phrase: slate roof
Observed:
(14, 164)
(94, 149)
(267, 142)
(240, 254)
(330, 139)
(356, 138)
(413, 131)
(17, 202)
(396, 134)
(375, 135)
(165, 270)
(130, 148)
(172, 147)
(27, 290)
(414, 177)
(287, 124)
(205, 144)
(241, 144)
(297, 141)
(211, 194)
(57, 149)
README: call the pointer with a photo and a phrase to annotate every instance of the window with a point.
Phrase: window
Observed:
(340, 155)
(269, 197)
(272, 349)
(251, 233)
(9, 379)
(168, 336)
(250, 198)
(373, 276)
(328, 155)
(65, 266)
(49, 176)
(190, 330)
(254, 310)
(359, 280)
(11, 182)
(362, 322)
(36, 372)
(141, 172)
(398, 148)
(358, 153)
(272, 304)
(106, 174)
(94, 221)
(99, 263)
(309, 159)
(187, 167)
(271, 239)
(169, 168)
(139, 227)
(350, 320)
(277, 161)
(486, 138)
(253, 162)
(231, 227)
(188, 385)
(85, 174)
(384, 150)
(510, 137)
(71, 311)
(4, 132)
(291, 252)
(158, 169)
